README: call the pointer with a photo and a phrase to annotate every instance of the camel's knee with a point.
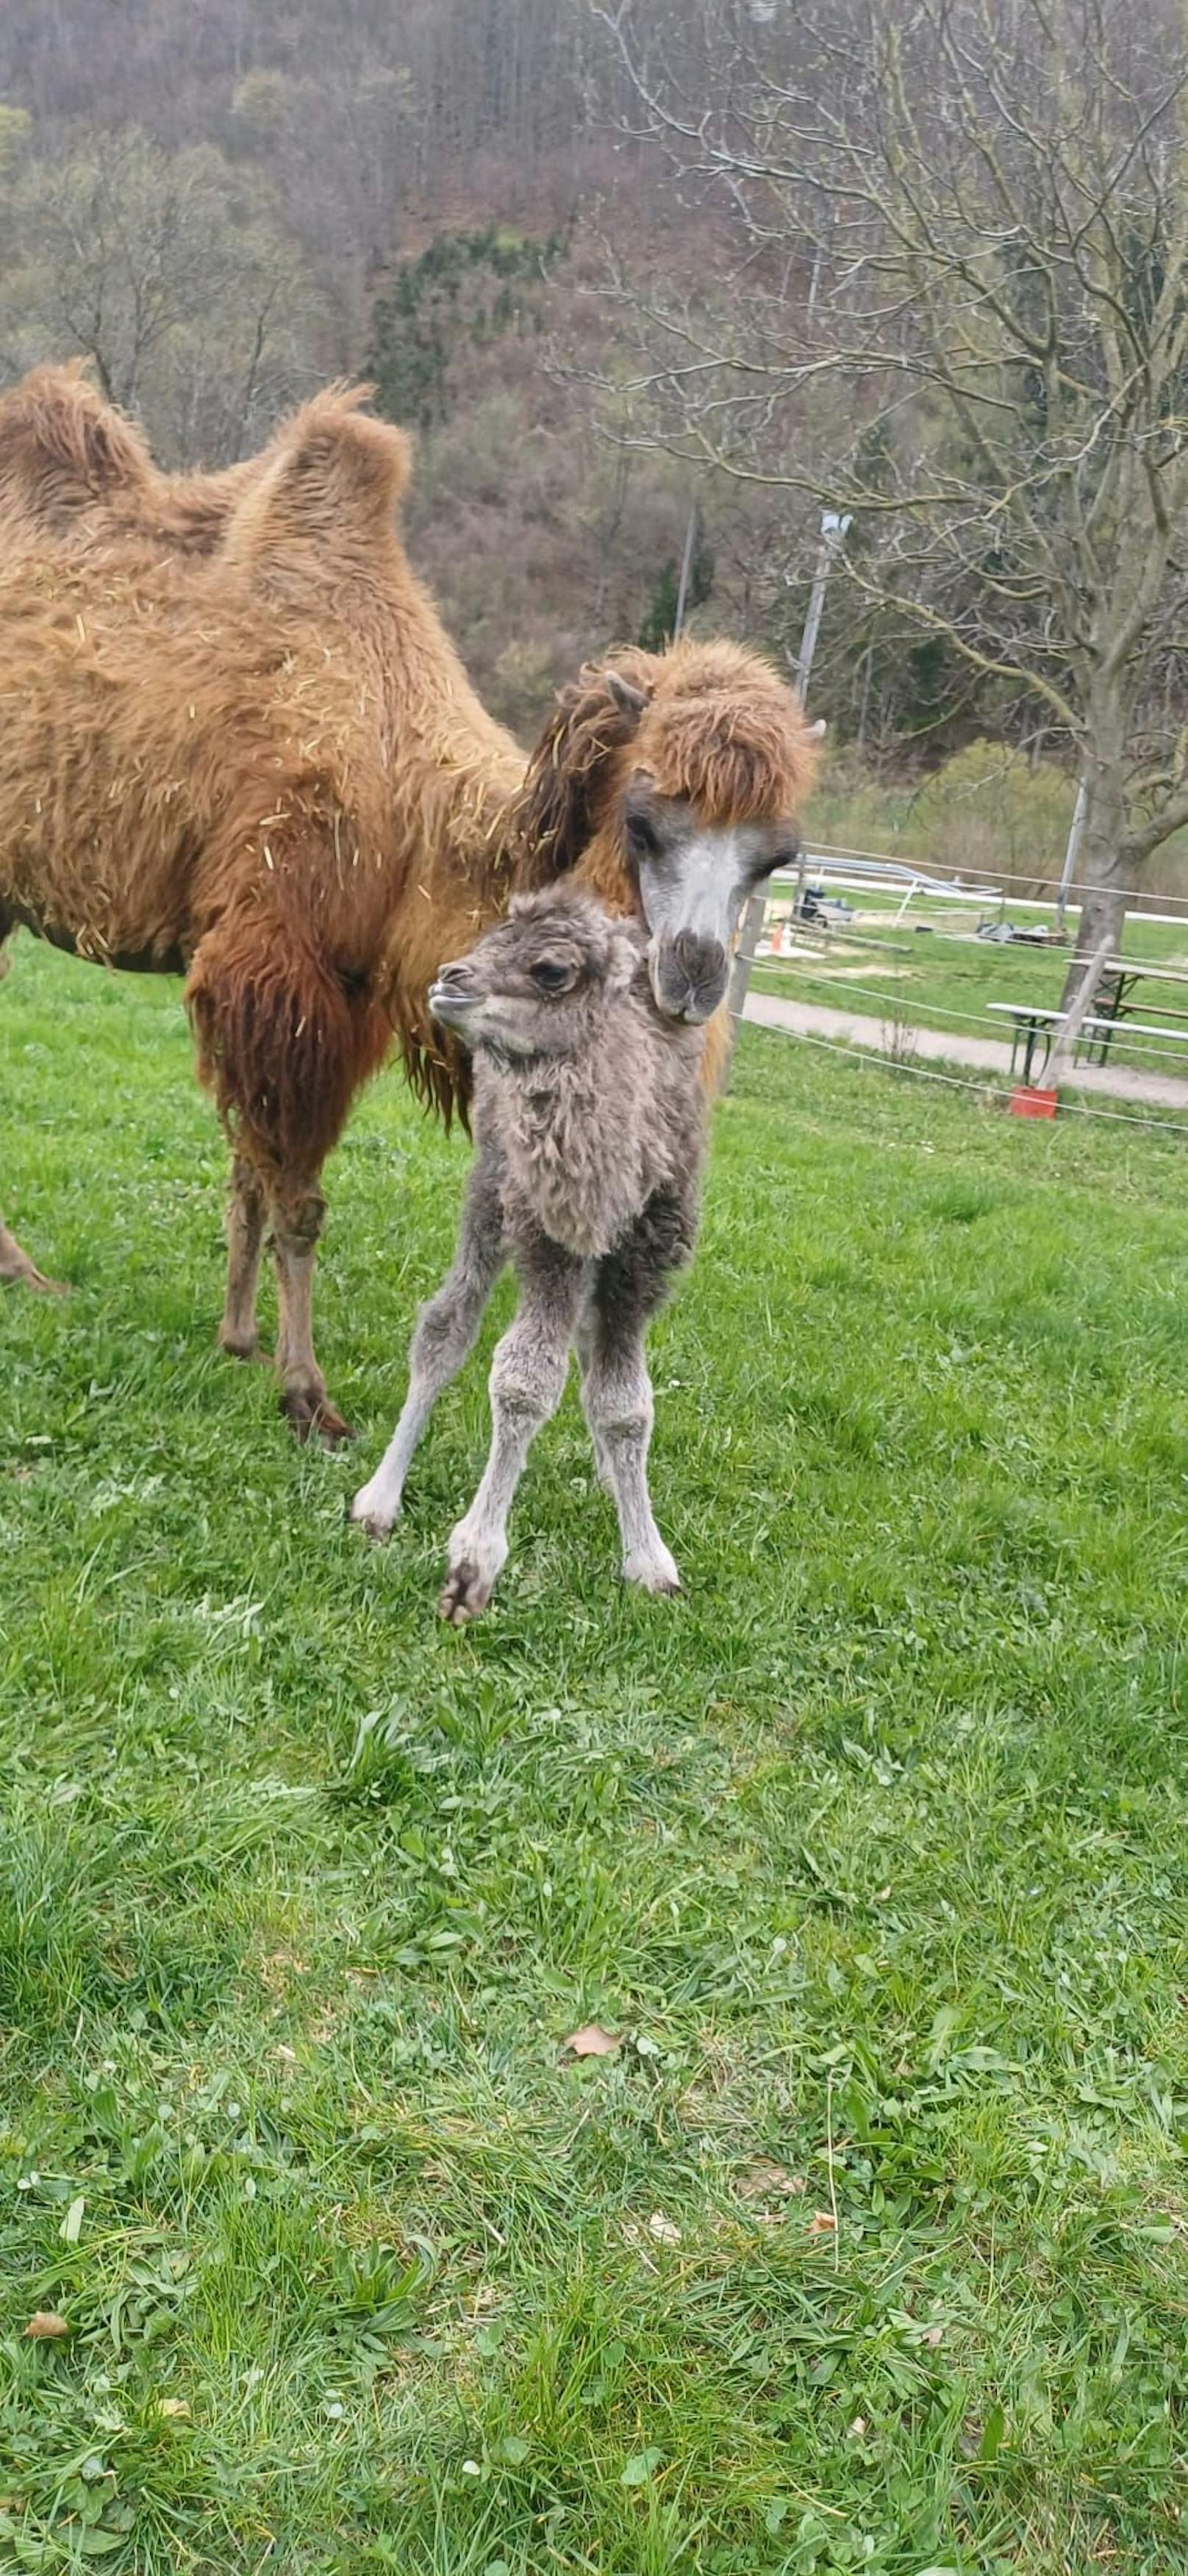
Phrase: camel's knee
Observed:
(297, 1221)
(447, 1325)
(528, 1372)
(620, 1405)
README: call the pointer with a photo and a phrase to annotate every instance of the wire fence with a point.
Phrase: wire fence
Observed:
(816, 966)
(1015, 886)
(968, 1082)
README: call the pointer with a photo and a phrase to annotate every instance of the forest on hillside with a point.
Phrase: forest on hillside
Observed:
(536, 225)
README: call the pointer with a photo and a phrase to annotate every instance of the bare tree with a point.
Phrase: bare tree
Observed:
(972, 217)
(167, 272)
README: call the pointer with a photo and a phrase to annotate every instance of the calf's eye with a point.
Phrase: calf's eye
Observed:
(550, 975)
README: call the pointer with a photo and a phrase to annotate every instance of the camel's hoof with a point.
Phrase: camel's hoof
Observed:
(23, 1273)
(378, 1523)
(464, 1594)
(313, 1417)
(655, 1574)
(240, 1346)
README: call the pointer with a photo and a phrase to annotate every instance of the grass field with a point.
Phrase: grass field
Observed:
(942, 977)
(867, 2249)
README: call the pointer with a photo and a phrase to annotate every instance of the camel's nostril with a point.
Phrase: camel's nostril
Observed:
(698, 957)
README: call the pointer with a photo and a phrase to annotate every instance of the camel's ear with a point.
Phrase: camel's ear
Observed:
(571, 771)
(629, 700)
(334, 477)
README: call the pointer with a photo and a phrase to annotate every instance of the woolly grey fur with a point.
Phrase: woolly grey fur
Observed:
(589, 1124)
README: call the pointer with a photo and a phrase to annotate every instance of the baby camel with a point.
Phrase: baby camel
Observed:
(589, 1122)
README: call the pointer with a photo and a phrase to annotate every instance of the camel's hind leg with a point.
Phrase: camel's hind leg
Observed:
(246, 1213)
(16, 1269)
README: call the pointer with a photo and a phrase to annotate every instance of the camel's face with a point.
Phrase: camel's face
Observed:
(532, 986)
(694, 880)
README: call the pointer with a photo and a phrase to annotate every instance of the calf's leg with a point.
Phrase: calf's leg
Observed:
(628, 1285)
(445, 1335)
(527, 1381)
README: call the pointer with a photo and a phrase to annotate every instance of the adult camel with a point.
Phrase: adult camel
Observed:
(236, 743)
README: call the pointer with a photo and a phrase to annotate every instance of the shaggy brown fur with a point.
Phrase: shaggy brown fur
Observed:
(74, 468)
(235, 740)
(718, 728)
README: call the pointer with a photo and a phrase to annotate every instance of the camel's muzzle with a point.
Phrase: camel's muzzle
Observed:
(452, 996)
(689, 974)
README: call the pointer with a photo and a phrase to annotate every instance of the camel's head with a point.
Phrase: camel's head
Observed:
(674, 776)
(537, 984)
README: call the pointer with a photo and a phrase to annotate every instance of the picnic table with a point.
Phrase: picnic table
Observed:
(1033, 1028)
(1112, 1002)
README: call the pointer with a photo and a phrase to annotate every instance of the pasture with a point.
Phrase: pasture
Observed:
(867, 2248)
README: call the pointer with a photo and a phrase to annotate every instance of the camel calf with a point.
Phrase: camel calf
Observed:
(589, 1118)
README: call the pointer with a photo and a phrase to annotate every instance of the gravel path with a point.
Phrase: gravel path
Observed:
(987, 1055)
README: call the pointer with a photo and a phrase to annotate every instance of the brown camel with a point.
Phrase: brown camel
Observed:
(236, 742)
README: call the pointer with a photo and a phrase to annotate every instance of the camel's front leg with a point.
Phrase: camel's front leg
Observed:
(296, 1224)
(527, 1382)
(445, 1335)
(246, 1210)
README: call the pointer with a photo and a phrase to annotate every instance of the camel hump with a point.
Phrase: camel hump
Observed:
(332, 478)
(63, 448)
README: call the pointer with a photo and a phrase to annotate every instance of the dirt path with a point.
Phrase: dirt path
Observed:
(987, 1055)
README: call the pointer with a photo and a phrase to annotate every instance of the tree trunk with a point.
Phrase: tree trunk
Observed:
(1104, 865)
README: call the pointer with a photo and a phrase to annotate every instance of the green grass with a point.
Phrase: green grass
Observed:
(871, 1849)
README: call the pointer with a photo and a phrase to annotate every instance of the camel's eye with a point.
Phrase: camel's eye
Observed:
(551, 975)
(643, 835)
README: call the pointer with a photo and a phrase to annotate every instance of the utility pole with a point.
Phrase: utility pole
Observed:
(686, 572)
(834, 524)
(1076, 828)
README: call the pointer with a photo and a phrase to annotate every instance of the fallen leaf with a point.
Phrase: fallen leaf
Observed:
(821, 2223)
(665, 2230)
(638, 2469)
(857, 2428)
(935, 2335)
(764, 2180)
(173, 2406)
(590, 2041)
(71, 2227)
(45, 2326)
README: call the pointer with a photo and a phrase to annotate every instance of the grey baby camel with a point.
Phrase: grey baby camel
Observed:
(589, 1119)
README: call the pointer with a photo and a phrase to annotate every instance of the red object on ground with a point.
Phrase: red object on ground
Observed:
(1026, 1103)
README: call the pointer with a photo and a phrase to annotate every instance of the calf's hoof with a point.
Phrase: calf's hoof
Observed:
(464, 1594)
(656, 1573)
(368, 1513)
(311, 1416)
